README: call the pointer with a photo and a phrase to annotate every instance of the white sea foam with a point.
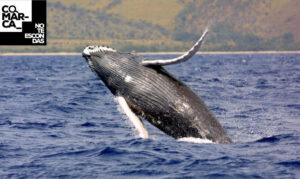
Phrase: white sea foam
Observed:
(194, 140)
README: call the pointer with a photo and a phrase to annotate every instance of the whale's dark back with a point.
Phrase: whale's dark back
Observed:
(155, 94)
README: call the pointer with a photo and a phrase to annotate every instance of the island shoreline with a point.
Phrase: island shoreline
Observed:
(152, 53)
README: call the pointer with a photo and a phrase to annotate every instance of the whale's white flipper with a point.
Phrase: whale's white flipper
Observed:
(135, 120)
(180, 59)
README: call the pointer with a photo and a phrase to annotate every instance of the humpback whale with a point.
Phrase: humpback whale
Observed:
(145, 89)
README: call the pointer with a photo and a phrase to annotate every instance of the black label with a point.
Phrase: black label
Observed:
(23, 22)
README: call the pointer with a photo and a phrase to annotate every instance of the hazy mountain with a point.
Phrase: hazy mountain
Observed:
(170, 25)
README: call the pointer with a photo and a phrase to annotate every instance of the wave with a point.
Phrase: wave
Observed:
(275, 138)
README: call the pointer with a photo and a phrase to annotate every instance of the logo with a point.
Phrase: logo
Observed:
(12, 17)
(23, 22)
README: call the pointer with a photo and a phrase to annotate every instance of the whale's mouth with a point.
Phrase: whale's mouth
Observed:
(94, 49)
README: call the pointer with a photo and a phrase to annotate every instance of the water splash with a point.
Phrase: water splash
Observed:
(194, 140)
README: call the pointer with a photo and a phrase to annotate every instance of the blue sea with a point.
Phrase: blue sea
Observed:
(58, 120)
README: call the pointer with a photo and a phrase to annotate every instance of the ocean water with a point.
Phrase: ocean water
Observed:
(57, 120)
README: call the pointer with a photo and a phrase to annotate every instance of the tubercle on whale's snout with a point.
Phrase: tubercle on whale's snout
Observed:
(94, 49)
(86, 51)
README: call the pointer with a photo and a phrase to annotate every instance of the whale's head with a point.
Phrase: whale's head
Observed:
(94, 55)
(110, 65)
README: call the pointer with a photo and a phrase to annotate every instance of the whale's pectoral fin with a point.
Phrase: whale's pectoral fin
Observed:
(180, 59)
(134, 119)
